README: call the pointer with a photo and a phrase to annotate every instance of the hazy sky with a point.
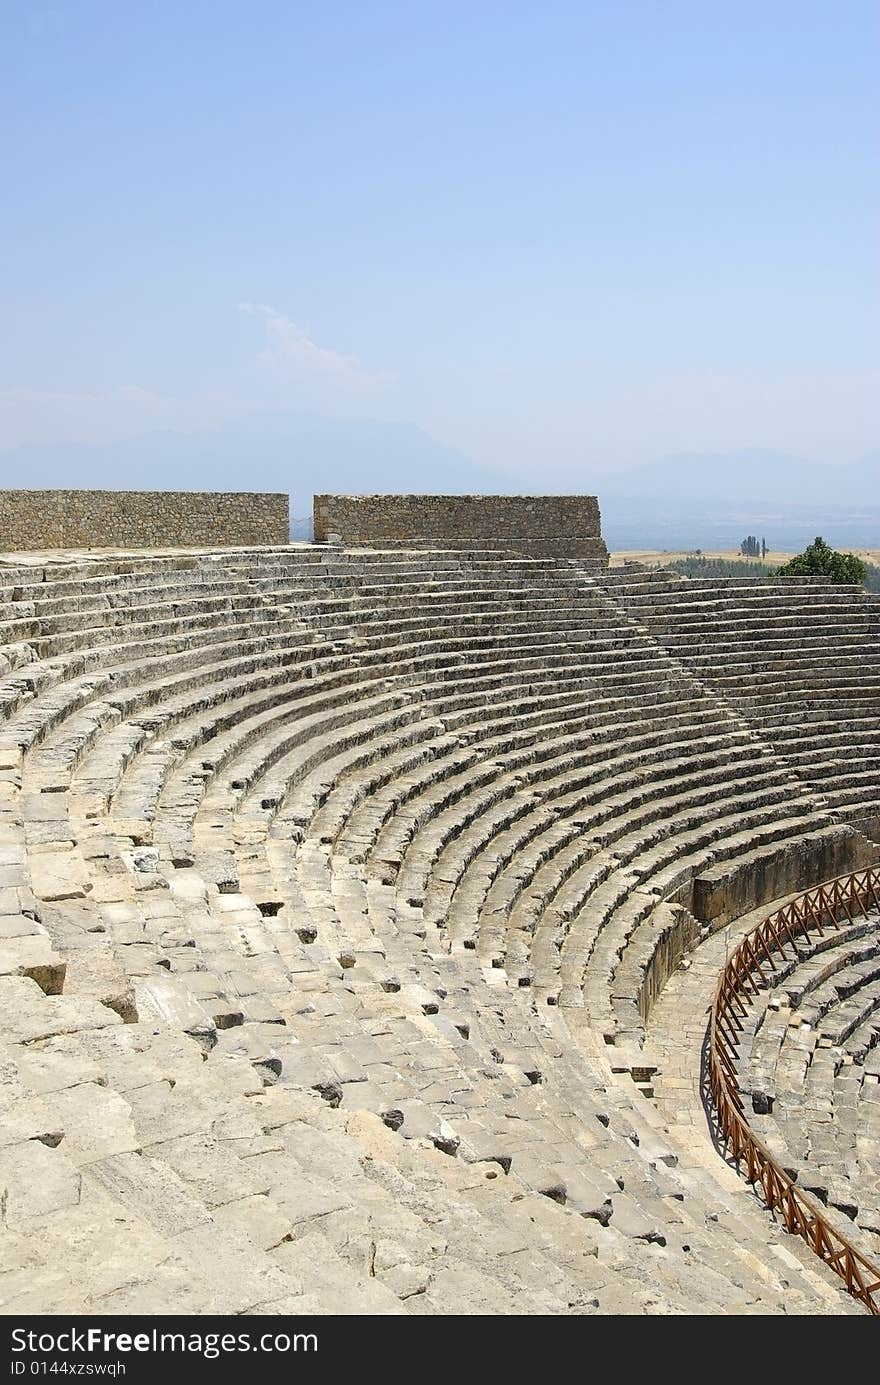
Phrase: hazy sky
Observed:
(556, 230)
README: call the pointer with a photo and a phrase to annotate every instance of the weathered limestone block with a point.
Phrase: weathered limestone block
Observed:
(33, 956)
(23, 1114)
(29, 1014)
(732, 888)
(150, 1190)
(59, 875)
(97, 973)
(172, 1003)
(92, 1251)
(97, 1123)
(314, 1262)
(36, 1180)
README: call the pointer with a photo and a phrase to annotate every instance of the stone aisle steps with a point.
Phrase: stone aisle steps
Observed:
(800, 658)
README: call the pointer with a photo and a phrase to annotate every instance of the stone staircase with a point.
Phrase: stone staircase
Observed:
(796, 657)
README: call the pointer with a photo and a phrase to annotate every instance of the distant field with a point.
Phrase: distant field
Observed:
(660, 558)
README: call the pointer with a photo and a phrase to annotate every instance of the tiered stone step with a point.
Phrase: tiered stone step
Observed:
(797, 657)
(809, 1065)
(271, 821)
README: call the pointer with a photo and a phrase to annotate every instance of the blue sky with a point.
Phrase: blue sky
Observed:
(544, 236)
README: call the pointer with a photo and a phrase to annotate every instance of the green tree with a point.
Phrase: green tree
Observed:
(820, 560)
(872, 580)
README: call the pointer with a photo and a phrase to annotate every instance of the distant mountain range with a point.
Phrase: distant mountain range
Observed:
(299, 454)
(752, 478)
(690, 500)
(713, 502)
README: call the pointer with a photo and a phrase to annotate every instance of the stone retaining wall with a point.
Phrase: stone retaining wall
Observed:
(34, 520)
(535, 525)
(731, 888)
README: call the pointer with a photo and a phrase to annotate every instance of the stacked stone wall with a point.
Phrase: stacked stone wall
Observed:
(37, 519)
(535, 525)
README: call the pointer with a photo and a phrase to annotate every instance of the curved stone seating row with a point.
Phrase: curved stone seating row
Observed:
(478, 817)
(272, 931)
(798, 657)
(810, 1065)
(456, 813)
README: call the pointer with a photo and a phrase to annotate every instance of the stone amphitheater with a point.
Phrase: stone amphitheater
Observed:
(362, 908)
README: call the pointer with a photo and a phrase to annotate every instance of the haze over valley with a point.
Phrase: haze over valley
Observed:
(707, 501)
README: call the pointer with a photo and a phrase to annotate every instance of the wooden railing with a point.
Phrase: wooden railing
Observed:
(747, 970)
